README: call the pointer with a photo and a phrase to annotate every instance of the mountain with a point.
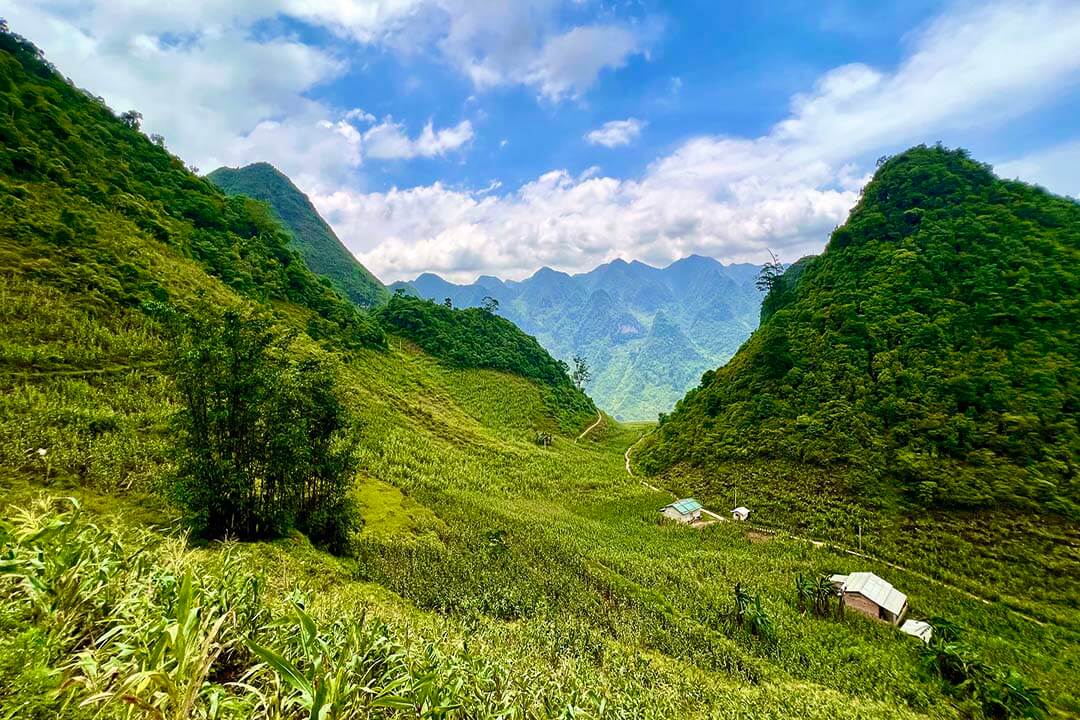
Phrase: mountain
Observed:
(648, 333)
(933, 345)
(501, 563)
(312, 237)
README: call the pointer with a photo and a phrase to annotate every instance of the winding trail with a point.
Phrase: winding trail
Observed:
(599, 419)
(832, 546)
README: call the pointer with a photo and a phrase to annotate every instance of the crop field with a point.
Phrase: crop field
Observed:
(500, 578)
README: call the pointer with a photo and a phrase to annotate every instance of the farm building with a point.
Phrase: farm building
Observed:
(740, 513)
(686, 510)
(865, 592)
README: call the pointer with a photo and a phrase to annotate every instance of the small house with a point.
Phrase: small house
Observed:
(740, 514)
(686, 510)
(917, 628)
(868, 594)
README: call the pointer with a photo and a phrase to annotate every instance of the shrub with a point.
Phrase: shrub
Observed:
(264, 443)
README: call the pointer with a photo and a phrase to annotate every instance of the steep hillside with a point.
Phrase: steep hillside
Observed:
(476, 338)
(312, 237)
(933, 344)
(607, 315)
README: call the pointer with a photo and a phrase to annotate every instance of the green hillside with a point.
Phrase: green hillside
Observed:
(933, 345)
(475, 338)
(487, 575)
(312, 237)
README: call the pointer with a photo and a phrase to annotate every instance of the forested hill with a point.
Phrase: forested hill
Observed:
(934, 343)
(477, 338)
(312, 237)
(109, 220)
(92, 207)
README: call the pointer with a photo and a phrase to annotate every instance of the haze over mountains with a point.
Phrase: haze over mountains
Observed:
(648, 333)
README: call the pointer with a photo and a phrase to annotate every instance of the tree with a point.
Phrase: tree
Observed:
(264, 443)
(581, 373)
(770, 274)
(448, 302)
(489, 304)
(131, 118)
(157, 139)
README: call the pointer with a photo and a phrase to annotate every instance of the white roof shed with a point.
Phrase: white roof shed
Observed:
(917, 628)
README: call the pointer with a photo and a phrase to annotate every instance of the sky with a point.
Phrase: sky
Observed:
(469, 137)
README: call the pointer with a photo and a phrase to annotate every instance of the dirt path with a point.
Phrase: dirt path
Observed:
(838, 548)
(78, 372)
(599, 419)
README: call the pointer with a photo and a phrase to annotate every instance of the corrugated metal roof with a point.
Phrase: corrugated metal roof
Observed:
(873, 588)
(922, 630)
(686, 506)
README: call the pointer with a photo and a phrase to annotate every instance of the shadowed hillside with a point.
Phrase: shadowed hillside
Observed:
(312, 237)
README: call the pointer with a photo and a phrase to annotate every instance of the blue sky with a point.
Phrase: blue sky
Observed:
(472, 136)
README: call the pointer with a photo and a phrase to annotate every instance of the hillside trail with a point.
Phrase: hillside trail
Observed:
(79, 372)
(824, 544)
(599, 419)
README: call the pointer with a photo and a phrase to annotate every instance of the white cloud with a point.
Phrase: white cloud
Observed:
(616, 132)
(207, 77)
(569, 64)
(495, 43)
(388, 140)
(1056, 168)
(733, 197)
(359, 115)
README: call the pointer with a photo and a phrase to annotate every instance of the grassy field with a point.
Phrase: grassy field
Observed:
(538, 578)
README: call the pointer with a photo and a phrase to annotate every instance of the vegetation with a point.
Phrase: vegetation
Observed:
(312, 237)
(264, 442)
(932, 345)
(491, 576)
(478, 338)
(581, 374)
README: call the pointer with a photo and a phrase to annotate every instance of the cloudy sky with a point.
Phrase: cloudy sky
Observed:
(467, 137)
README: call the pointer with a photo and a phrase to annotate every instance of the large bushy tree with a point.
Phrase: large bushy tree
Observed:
(265, 444)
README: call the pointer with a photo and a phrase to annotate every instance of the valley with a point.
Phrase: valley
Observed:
(439, 523)
(647, 333)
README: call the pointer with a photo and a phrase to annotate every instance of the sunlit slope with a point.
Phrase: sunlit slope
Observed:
(492, 575)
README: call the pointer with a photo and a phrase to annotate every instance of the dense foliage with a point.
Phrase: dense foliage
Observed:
(83, 193)
(478, 338)
(647, 333)
(265, 444)
(312, 237)
(934, 343)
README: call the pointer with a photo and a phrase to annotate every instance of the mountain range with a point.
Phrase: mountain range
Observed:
(501, 550)
(647, 333)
